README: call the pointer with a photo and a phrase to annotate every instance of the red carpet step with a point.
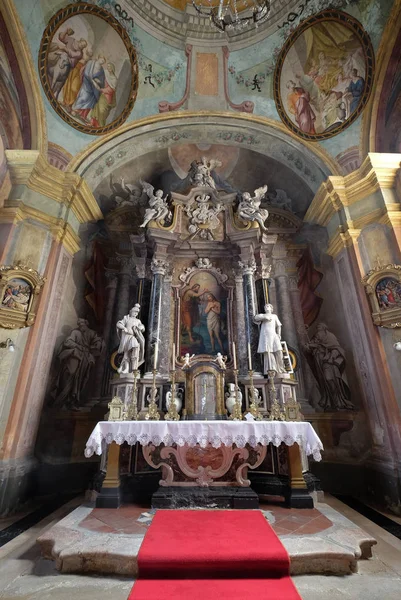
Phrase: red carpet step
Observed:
(202, 543)
(215, 589)
(201, 554)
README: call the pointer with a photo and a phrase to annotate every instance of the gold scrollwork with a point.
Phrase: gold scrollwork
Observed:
(20, 287)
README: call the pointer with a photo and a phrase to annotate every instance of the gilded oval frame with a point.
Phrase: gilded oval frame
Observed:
(72, 10)
(347, 22)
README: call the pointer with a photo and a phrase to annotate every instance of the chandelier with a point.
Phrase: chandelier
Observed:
(233, 15)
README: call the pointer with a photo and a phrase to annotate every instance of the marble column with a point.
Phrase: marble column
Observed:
(248, 269)
(284, 308)
(158, 268)
(241, 339)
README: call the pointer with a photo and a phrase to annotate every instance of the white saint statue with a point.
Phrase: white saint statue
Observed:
(270, 340)
(132, 342)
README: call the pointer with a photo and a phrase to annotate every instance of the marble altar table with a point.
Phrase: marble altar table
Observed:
(241, 444)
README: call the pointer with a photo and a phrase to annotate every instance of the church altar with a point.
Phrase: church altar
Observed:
(240, 445)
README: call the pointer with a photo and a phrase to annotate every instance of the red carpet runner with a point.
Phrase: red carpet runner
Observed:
(202, 554)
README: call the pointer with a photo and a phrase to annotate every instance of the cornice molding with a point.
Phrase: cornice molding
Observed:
(31, 168)
(61, 231)
(342, 239)
(378, 171)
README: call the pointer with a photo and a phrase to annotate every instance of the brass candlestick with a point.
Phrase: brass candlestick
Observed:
(152, 413)
(276, 413)
(172, 414)
(237, 410)
(131, 414)
(253, 406)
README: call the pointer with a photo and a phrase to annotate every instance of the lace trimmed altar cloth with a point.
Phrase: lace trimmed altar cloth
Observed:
(216, 433)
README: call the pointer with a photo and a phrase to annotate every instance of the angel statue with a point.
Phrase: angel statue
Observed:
(249, 208)
(158, 208)
(187, 360)
(124, 194)
(221, 361)
(201, 172)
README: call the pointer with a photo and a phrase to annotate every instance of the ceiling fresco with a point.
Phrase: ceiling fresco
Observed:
(181, 4)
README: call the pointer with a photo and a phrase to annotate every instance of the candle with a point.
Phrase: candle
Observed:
(156, 356)
(173, 358)
(249, 357)
(234, 357)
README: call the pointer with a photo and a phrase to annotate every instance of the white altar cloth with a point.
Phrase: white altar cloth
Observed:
(216, 433)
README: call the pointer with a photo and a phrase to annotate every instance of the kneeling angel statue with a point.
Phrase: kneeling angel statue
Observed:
(249, 208)
(158, 210)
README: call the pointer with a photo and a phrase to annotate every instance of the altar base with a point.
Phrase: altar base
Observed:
(205, 497)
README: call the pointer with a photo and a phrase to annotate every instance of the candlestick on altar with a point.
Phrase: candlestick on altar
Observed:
(249, 357)
(234, 357)
(173, 359)
(155, 357)
(276, 413)
(236, 415)
(131, 414)
(152, 413)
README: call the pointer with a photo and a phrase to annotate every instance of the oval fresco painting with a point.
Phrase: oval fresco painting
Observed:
(88, 68)
(324, 75)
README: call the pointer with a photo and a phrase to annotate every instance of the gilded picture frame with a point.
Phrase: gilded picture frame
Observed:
(383, 288)
(323, 76)
(88, 68)
(20, 287)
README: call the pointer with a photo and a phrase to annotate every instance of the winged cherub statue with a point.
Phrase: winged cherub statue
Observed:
(158, 208)
(249, 208)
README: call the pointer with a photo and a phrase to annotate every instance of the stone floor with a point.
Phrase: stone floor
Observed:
(25, 575)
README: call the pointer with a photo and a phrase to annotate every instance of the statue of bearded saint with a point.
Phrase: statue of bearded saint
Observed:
(132, 342)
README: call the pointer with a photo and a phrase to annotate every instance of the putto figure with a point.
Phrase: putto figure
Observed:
(249, 208)
(158, 210)
(187, 360)
(132, 342)
(270, 340)
(221, 361)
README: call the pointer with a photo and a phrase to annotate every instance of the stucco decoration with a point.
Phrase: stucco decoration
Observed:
(20, 287)
(383, 287)
(324, 74)
(88, 68)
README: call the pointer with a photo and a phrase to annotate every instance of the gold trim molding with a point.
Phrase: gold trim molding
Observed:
(378, 171)
(30, 168)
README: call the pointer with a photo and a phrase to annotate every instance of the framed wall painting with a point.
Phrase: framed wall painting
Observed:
(88, 68)
(20, 287)
(383, 287)
(324, 74)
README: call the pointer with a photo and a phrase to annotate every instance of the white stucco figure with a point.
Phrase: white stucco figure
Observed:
(158, 208)
(187, 360)
(270, 340)
(132, 342)
(249, 208)
(221, 361)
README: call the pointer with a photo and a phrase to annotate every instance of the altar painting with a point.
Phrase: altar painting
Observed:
(323, 75)
(203, 316)
(388, 293)
(17, 295)
(88, 68)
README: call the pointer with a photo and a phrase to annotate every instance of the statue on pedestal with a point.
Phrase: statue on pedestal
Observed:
(270, 341)
(327, 360)
(201, 172)
(249, 208)
(132, 342)
(158, 208)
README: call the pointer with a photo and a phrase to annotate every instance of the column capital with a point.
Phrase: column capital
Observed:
(159, 266)
(247, 267)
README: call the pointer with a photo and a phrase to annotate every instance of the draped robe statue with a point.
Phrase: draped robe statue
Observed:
(77, 356)
(270, 340)
(132, 342)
